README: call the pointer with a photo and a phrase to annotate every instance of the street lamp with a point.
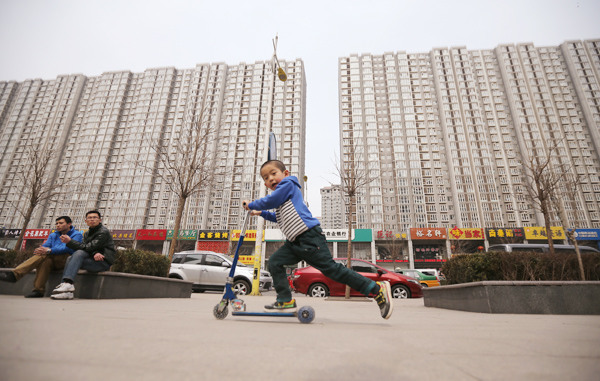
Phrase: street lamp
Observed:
(269, 152)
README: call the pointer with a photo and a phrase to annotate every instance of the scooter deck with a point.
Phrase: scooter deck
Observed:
(305, 314)
(248, 313)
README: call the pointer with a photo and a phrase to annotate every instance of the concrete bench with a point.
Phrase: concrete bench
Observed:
(518, 297)
(107, 285)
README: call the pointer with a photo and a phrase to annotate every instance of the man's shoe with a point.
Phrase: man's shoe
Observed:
(63, 287)
(8, 276)
(62, 296)
(281, 306)
(384, 299)
(35, 294)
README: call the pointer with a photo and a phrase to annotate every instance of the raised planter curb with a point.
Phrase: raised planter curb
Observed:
(518, 297)
(107, 285)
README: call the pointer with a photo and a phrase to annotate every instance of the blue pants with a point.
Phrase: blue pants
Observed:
(311, 246)
(82, 260)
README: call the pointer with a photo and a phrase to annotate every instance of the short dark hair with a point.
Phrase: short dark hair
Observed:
(276, 163)
(66, 218)
(94, 211)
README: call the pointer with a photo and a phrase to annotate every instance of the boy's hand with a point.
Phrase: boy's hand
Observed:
(245, 204)
(255, 212)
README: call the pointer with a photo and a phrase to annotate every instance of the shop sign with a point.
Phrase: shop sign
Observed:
(337, 234)
(388, 234)
(466, 233)
(505, 233)
(246, 259)
(184, 234)
(213, 235)
(36, 233)
(587, 234)
(12, 233)
(151, 234)
(250, 235)
(539, 232)
(406, 260)
(123, 235)
(428, 233)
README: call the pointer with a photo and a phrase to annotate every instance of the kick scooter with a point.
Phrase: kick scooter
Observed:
(305, 314)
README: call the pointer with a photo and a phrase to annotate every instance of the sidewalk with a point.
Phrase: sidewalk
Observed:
(179, 339)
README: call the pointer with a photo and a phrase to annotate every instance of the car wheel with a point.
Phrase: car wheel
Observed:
(241, 287)
(400, 292)
(318, 290)
(424, 285)
(175, 276)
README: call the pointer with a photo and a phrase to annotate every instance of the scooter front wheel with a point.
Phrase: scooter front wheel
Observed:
(222, 314)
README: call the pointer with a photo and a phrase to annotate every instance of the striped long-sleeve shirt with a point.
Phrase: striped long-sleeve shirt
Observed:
(291, 213)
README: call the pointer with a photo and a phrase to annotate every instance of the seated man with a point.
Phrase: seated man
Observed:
(52, 255)
(95, 253)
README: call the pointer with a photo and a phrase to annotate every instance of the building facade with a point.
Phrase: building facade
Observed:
(333, 208)
(446, 135)
(105, 132)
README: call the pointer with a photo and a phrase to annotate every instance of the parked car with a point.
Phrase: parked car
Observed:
(424, 279)
(435, 272)
(208, 271)
(310, 281)
(541, 248)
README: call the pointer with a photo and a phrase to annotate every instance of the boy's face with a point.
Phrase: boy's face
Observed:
(273, 175)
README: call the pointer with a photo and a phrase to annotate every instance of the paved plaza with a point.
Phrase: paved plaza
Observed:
(179, 339)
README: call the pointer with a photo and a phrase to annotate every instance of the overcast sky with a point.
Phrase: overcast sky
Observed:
(46, 38)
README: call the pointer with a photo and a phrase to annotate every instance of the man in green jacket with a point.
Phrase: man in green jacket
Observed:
(95, 253)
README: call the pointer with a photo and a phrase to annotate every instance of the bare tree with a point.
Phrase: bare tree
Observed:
(187, 163)
(35, 183)
(352, 178)
(545, 178)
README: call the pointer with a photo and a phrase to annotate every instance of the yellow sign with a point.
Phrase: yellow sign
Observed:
(539, 232)
(246, 259)
(250, 235)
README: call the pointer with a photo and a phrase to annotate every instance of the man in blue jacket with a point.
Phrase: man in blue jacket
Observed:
(52, 255)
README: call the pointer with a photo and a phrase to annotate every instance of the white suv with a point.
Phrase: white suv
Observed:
(208, 271)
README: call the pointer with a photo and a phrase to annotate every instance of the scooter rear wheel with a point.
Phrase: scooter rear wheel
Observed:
(306, 314)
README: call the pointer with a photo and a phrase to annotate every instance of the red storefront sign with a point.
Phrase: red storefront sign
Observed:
(36, 233)
(151, 234)
(123, 235)
(428, 233)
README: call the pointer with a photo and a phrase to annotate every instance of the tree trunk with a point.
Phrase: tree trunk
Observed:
(570, 233)
(25, 223)
(546, 214)
(349, 252)
(180, 206)
(572, 237)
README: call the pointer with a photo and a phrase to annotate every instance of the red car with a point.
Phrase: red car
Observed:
(310, 281)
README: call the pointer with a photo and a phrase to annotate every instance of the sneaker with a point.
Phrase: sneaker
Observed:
(281, 306)
(62, 296)
(8, 276)
(63, 287)
(384, 299)
(35, 294)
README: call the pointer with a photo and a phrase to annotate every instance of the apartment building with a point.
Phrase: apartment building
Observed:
(446, 134)
(333, 208)
(106, 132)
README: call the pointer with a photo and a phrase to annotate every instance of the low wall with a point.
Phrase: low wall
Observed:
(512, 297)
(107, 285)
